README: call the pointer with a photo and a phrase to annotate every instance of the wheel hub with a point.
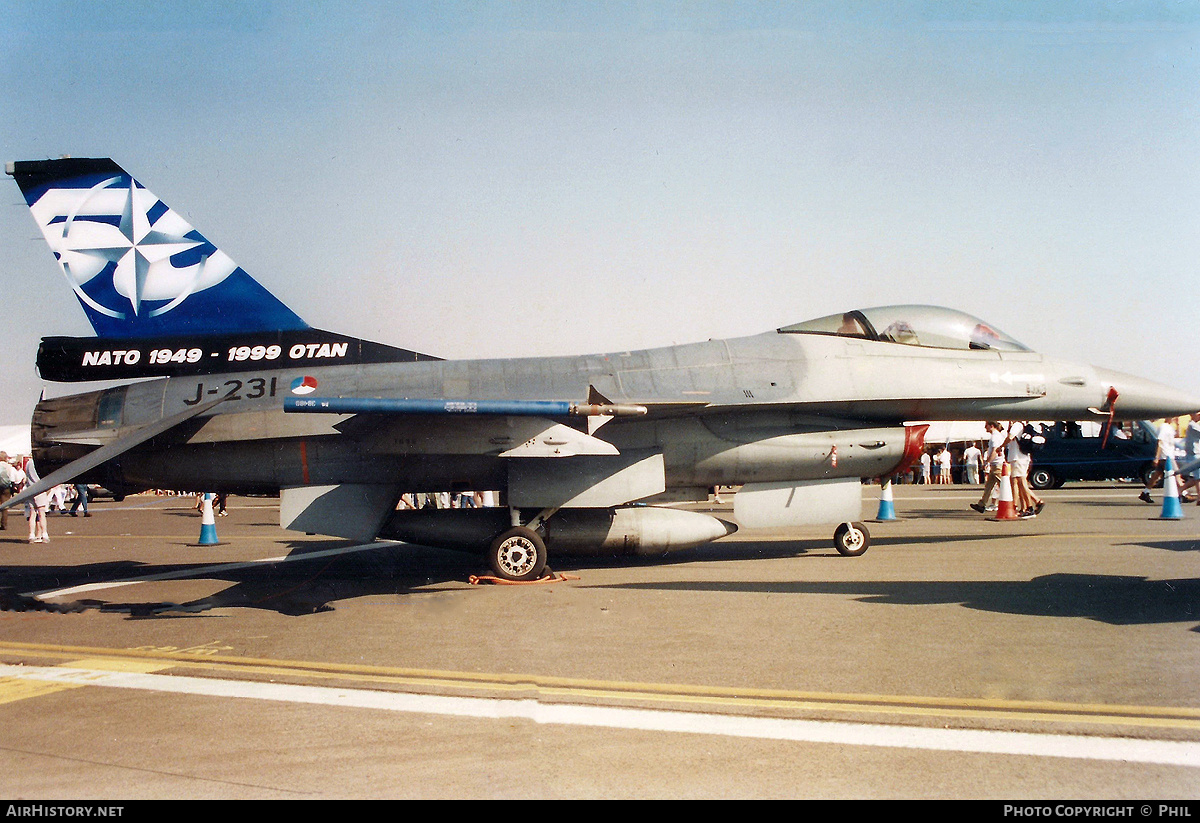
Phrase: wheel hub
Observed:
(516, 556)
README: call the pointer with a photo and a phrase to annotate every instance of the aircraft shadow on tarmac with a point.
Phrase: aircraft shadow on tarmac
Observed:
(295, 586)
(1168, 545)
(815, 549)
(303, 585)
(1115, 599)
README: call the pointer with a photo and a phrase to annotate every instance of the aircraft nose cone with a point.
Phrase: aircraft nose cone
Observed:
(1138, 398)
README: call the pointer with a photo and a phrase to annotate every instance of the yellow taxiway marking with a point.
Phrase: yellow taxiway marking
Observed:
(613, 693)
(13, 689)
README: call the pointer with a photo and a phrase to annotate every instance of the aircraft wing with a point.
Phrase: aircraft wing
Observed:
(105, 453)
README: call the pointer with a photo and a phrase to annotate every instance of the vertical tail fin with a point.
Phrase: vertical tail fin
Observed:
(138, 268)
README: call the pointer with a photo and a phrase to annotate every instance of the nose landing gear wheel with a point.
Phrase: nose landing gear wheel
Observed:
(518, 554)
(851, 539)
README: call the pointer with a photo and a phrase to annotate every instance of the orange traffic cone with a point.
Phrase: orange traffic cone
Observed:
(1005, 510)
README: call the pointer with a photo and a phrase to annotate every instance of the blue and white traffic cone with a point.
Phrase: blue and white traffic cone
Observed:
(887, 511)
(1171, 509)
(208, 524)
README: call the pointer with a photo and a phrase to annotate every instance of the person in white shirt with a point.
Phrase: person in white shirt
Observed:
(971, 458)
(1025, 501)
(10, 478)
(1189, 466)
(36, 508)
(1166, 448)
(995, 463)
(944, 461)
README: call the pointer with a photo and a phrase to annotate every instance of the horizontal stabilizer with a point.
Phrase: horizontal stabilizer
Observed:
(103, 454)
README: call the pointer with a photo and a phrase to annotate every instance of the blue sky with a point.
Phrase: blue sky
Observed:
(525, 178)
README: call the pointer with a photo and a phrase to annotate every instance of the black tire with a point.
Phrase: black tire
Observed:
(518, 554)
(1042, 478)
(851, 539)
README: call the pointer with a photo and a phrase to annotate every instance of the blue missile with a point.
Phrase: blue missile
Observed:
(514, 408)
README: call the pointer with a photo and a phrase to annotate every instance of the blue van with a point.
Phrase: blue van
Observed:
(1071, 454)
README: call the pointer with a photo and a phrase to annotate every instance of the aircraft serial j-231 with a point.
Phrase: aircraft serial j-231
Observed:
(588, 452)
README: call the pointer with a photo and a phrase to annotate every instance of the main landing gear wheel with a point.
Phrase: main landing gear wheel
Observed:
(518, 554)
(851, 539)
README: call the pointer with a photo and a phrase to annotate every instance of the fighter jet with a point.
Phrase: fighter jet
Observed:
(588, 453)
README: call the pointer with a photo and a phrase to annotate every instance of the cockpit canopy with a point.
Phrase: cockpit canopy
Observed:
(927, 326)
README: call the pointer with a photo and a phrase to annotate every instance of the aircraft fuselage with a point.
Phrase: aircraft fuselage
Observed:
(774, 407)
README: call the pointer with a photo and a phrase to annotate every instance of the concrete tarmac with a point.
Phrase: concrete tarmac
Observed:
(960, 657)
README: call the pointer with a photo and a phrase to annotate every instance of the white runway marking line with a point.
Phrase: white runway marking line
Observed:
(202, 571)
(1173, 753)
